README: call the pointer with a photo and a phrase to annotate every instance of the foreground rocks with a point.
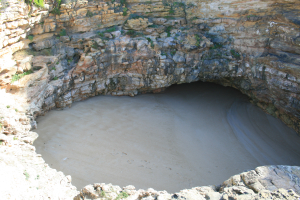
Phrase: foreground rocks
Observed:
(268, 182)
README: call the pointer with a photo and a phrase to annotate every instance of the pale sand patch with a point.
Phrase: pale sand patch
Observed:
(192, 135)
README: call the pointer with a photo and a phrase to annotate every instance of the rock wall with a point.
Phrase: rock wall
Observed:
(58, 54)
(252, 46)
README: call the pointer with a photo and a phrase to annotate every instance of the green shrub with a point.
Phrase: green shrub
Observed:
(123, 2)
(55, 11)
(168, 30)
(171, 11)
(153, 26)
(130, 32)
(112, 29)
(151, 43)
(101, 34)
(37, 3)
(56, 7)
(89, 14)
(26, 174)
(198, 40)
(173, 52)
(102, 194)
(169, 17)
(63, 32)
(122, 195)
(180, 4)
(16, 77)
(95, 45)
(125, 11)
(7, 106)
(216, 46)
(55, 78)
(135, 16)
(235, 54)
(30, 37)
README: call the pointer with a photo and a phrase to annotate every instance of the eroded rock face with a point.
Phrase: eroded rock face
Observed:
(93, 48)
(268, 182)
(254, 50)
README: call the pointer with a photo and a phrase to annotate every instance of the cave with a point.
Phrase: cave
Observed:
(102, 99)
(190, 135)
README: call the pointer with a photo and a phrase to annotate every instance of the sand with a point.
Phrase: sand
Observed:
(192, 135)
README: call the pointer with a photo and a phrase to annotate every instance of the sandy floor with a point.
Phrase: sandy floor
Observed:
(192, 135)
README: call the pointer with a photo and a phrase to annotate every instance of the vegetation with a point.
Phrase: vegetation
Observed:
(102, 194)
(55, 78)
(30, 37)
(173, 52)
(38, 3)
(122, 195)
(130, 32)
(89, 14)
(17, 77)
(63, 32)
(169, 17)
(101, 34)
(180, 4)
(153, 26)
(235, 54)
(198, 40)
(7, 106)
(125, 9)
(248, 17)
(109, 30)
(151, 43)
(56, 7)
(123, 3)
(217, 46)
(26, 174)
(171, 11)
(95, 45)
(135, 16)
(53, 68)
(168, 30)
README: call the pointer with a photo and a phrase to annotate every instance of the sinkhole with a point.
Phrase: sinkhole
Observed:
(191, 135)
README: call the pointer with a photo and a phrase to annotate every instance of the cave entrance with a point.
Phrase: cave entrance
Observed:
(191, 135)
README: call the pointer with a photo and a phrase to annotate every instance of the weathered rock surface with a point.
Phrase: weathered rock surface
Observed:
(268, 182)
(253, 46)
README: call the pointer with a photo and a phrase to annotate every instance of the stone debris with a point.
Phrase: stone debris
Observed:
(236, 187)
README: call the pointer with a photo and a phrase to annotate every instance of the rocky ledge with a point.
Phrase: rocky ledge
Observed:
(267, 182)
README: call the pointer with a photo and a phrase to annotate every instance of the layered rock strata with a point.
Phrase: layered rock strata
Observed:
(253, 47)
(86, 48)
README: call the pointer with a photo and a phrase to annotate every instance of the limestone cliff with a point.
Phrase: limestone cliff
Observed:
(61, 53)
(129, 47)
